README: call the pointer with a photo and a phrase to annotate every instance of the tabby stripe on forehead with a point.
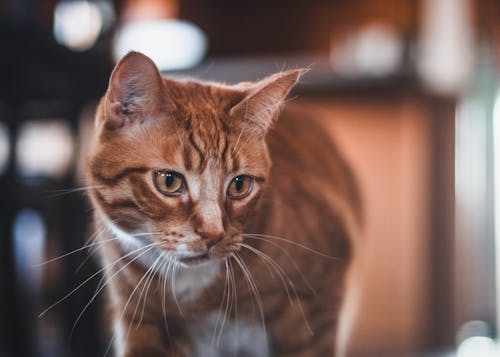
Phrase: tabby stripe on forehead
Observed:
(224, 150)
(199, 151)
(188, 163)
(116, 178)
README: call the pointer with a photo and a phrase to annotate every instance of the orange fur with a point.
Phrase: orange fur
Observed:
(290, 234)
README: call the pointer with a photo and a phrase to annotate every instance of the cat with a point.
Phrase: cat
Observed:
(222, 230)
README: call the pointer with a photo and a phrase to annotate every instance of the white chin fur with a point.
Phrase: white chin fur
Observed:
(187, 280)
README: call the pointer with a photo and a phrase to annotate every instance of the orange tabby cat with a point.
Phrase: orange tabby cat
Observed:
(219, 236)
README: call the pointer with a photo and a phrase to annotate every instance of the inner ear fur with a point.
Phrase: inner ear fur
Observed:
(263, 100)
(135, 89)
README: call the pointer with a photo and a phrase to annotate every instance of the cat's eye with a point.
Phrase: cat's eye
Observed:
(168, 182)
(240, 187)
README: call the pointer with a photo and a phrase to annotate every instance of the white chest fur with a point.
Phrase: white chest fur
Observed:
(237, 338)
(188, 282)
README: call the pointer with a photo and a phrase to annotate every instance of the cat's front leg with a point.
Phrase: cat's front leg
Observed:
(148, 340)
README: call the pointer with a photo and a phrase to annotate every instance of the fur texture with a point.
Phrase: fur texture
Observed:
(199, 267)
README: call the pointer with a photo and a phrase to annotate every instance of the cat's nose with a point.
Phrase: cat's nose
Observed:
(211, 237)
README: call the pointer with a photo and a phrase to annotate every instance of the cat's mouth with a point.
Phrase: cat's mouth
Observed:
(195, 259)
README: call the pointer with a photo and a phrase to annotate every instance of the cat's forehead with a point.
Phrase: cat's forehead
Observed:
(202, 98)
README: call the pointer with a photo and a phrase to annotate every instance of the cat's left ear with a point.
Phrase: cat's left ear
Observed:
(263, 100)
(135, 91)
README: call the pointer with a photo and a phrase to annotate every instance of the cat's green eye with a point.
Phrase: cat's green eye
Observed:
(240, 187)
(168, 182)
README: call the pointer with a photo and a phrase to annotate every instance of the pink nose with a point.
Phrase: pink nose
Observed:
(211, 236)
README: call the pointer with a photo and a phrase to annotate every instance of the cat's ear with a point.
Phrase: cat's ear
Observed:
(135, 89)
(263, 100)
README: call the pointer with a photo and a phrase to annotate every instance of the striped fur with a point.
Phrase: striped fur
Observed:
(280, 264)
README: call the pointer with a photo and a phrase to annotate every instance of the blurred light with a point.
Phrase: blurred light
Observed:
(44, 148)
(496, 169)
(375, 50)
(470, 156)
(446, 48)
(472, 328)
(107, 13)
(149, 10)
(478, 346)
(171, 44)
(4, 147)
(29, 243)
(77, 24)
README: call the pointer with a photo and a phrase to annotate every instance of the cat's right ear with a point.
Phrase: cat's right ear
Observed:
(263, 100)
(135, 90)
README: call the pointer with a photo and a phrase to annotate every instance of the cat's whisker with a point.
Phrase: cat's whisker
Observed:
(220, 307)
(93, 236)
(253, 288)
(86, 245)
(63, 192)
(304, 279)
(172, 282)
(235, 298)
(145, 288)
(272, 266)
(93, 276)
(256, 236)
(229, 303)
(94, 249)
(145, 234)
(231, 299)
(165, 268)
(99, 289)
(282, 274)
(156, 265)
(126, 306)
(73, 328)
(102, 242)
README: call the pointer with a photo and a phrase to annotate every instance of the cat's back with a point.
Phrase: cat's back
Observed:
(312, 189)
(303, 150)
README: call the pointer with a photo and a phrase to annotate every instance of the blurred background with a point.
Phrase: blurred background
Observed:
(411, 89)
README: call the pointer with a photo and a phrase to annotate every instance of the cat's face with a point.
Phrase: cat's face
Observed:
(181, 165)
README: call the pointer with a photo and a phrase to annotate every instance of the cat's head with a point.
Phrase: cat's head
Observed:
(182, 164)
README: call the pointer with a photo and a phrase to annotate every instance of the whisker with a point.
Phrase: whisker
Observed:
(98, 232)
(290, 258)
(282, 274)
(253, 287)
(269, 263)
(74, 251)
(99, 285)
(172, 282)
(91, 277)
(220, 307)
(128, 302)
(59, 193)
(148, 283)
(235, 299)
(96, 293)
(253, 235)
(164, 292)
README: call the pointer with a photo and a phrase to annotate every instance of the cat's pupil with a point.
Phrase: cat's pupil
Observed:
(169, 180)
(239, 183)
